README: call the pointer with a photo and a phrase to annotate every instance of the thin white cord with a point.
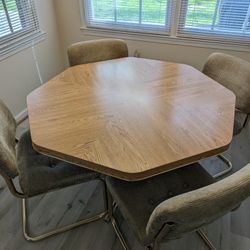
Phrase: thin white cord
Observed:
(39, 76)
(36, 63)
(34, 55)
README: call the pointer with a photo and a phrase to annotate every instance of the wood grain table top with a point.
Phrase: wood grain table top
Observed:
(131, 118)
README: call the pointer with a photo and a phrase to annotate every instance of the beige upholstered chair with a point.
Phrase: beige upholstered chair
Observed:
(234, 74)
(38, 174)
(169, 205)
(96, 50)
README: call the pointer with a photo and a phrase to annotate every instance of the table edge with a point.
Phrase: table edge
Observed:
(136, 176)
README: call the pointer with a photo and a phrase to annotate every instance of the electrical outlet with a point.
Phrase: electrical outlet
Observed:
(137, 53)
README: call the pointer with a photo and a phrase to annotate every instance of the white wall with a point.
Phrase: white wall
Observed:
(68, 16)
(18, 74)
(61, 20)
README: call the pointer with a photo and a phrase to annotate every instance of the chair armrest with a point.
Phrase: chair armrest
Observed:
(192, 210)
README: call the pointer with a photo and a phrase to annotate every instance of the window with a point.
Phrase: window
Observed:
(215, 19)
(220, 21)
(18, 25)
(151, 15)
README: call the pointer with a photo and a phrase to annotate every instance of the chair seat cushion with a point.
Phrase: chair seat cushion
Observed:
(40, 174)
(137, 200)
(237, 127)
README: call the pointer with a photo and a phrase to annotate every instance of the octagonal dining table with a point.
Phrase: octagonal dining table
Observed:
(131, 118)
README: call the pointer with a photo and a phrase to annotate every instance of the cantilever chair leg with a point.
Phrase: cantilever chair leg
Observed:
(228, 164)
(119, 234)
(29, 237)
(114, 224)
(224, 159)
(206, 239)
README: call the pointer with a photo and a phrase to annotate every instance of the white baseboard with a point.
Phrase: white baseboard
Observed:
(21, 116)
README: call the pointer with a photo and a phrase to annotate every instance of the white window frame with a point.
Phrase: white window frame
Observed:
(173, 38)
(215, 35)
(15, 42)
(130, 27)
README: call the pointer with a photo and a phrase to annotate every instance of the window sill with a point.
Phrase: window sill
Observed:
(161, 38)
(22, 45)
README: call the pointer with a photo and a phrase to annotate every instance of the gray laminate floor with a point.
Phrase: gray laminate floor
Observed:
(67, 205)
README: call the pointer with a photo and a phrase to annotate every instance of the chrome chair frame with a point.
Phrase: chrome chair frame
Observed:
(155, 245)
(25, 222)
(229, 165)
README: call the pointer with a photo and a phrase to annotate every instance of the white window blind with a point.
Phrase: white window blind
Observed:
(18, 25)
(217, 20)
(139, 15)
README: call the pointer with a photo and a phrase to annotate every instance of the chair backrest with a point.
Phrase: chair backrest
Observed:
(8, 164)
(96, 50)
(190, 211)
(234, 74)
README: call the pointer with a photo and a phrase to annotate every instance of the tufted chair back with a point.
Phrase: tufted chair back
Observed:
(190, 211)
(234, 74)
(8, 164)
(96, 50)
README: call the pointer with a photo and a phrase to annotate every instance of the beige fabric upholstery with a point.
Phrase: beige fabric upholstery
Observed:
(8, 165)
(180, 201)
(37, 173)
(195, 209)
(148, 194)
(234, 74)
(238, 125)
(96, 50)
